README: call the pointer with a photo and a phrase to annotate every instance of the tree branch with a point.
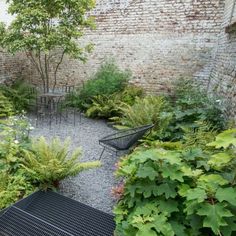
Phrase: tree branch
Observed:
(57, 67)
(29, 55)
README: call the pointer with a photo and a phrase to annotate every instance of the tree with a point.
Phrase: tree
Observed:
(47, 30)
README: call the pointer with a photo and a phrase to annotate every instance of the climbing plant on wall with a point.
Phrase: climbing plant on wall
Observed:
(46, 31)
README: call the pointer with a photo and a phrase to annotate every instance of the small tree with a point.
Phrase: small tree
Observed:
(47, 30)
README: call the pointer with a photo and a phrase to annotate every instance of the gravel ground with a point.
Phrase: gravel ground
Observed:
(92, 187)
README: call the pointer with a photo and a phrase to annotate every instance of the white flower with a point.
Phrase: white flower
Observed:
(16, 141)
(31, 128)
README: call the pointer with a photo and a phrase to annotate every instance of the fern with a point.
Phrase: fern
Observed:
(200, 135)
(49, 163)
(20, 94)
(13, 188)
(107, 106)
(6, 107)
(145, 111)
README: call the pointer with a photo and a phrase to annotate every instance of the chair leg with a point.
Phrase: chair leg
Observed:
(74, 113)
(101, 153)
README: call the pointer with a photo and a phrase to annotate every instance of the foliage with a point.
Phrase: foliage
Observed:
(193, 104)
(47, 31)
(6, 107)
(26, 166)
(21, 95)
(107, 106)
(178, 189)
(72, 100)
(147, 110)
(14, 136)
(47, 164)
(14, 143)
(13, 188)
(108, 79)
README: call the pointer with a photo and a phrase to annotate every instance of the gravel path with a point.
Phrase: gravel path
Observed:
(92, 187)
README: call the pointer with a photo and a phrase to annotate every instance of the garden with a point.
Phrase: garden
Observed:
(180, 179)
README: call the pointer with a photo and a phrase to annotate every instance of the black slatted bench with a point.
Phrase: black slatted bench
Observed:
(49, 214)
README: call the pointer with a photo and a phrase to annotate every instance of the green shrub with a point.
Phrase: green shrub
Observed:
(170, 189)
(72, 99)
(107, 106)
(108, 80)
(147, 110)
(21, 95)
(47, 164)
(6, 107)
(14, 136)
(192, 104)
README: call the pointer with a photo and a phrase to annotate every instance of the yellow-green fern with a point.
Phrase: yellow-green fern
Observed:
(51, 162)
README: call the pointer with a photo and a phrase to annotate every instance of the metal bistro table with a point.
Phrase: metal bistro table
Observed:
(52, 96)
(48, 105)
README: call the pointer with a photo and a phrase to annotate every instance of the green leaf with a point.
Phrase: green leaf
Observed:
(148, 189)
(230, 228)
(212, 180)
(219, 160)
(178, 228)
(187, 171)
(162, 226)
(191, 207)
(129, 169)
(147, 172)
(169, 206)
(173, 173)
(183, 189)
(168, 189)
(196, 194)
(145, 230)
(225, 139)
(226, 194)
(214, 216)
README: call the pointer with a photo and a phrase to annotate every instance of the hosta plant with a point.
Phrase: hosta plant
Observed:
(48, 163)
(173, 190)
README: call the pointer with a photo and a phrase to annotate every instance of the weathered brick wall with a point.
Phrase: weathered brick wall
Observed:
(223, 77)
(158, 40)
(11, 67)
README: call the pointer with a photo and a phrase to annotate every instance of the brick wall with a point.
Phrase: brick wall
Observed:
(158, 40)
(223, 77)
(11, 67)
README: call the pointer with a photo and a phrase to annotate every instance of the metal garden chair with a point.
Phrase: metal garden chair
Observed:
(123, 140)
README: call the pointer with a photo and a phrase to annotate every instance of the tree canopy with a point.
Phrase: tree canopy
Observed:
(46, 30)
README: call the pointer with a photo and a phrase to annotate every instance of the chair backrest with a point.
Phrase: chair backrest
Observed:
(68, 88)
(123, 140)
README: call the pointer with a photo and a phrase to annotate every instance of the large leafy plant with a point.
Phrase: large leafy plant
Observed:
(171, 189)
(48, 163)
(46, 31)
(192, 104)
